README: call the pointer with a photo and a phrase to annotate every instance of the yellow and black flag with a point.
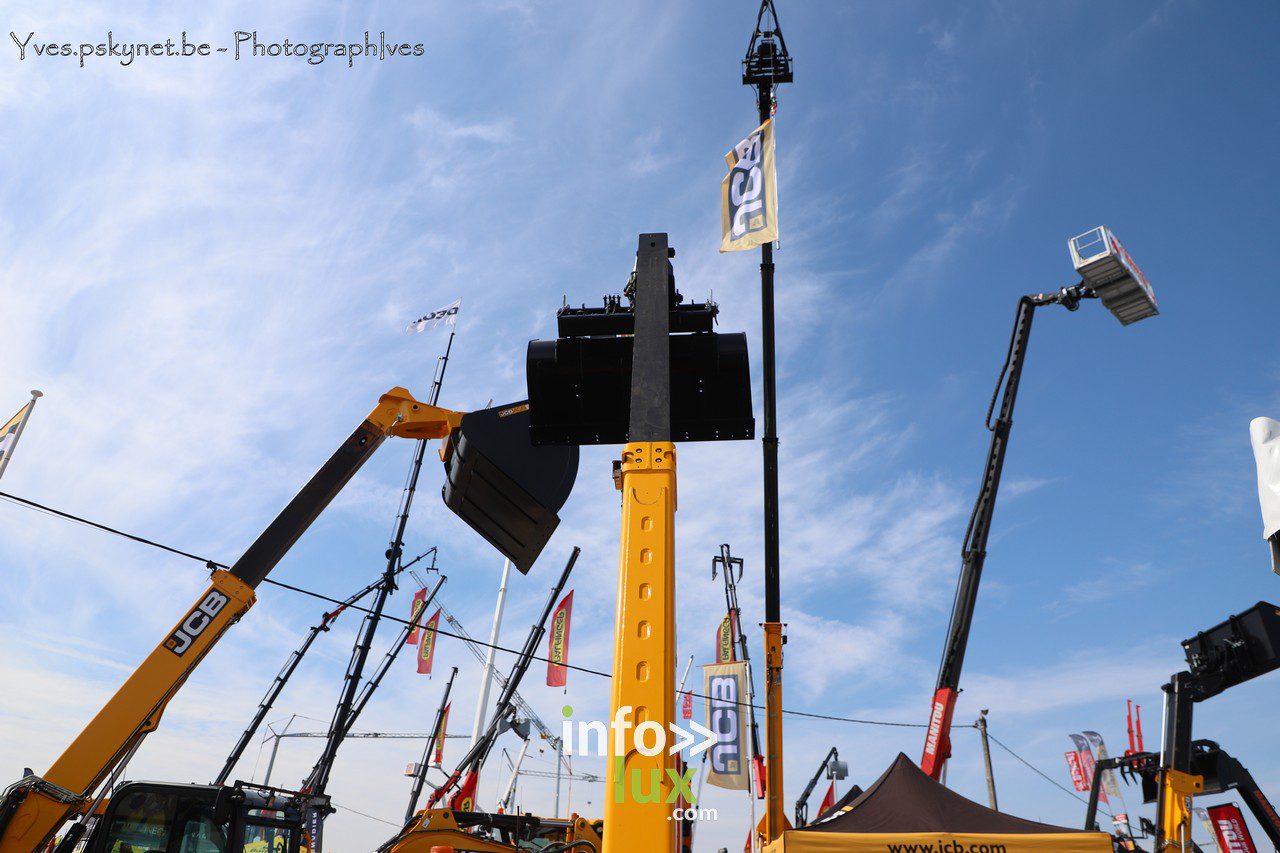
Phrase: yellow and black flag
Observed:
(12, 431)
(749, 193)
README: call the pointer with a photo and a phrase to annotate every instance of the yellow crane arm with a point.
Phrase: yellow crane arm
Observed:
(33, 809)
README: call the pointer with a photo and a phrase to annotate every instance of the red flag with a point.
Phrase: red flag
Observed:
(1089, 766)
(444, 724)
(465, 799)
(558, 643)
(1229, 826)
(687, 709)
(427, 647)
(746, 848)
(1077, 772)
(727, 639)
(829, 800)
(419, 598)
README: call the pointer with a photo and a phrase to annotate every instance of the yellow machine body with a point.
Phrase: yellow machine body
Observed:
(637, 815)
(1176, 793)
(440, 828)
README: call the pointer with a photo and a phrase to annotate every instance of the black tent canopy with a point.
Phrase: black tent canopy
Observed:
(905, 805)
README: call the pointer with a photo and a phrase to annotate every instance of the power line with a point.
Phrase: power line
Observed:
(213, 564)
(1042, 774)
(369, 816)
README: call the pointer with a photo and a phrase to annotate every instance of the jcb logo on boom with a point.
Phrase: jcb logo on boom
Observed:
(194, 623)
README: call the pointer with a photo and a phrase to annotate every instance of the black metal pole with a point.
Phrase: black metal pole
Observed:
(282, 678)
(397, 646)
(772, 582)
(479, 750)
(421, 777)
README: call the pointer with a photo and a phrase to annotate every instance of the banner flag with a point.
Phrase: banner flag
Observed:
(9, 432)
(1203, 816)
(1077, 773)
(1264, 434)
(1109, 783)
(829, 800)
(558, 643)
(438, 758)
(1087, 764)
(419, 598)
(427, 646)
(448, 315)
(313, 829)
(749, 193)
(1230, 829)
(465, 799)
(728, 716)
(726, 639)
(686, 709)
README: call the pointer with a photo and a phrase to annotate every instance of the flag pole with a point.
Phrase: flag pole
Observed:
(767, 64)
(22, 424)
(487, 675)
(442, 364)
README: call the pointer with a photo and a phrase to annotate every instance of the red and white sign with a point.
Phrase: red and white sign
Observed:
(1077, 772)
(686, 710)
(1229, 826)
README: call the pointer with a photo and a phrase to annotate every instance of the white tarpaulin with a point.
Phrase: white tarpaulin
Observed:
(1265, 434)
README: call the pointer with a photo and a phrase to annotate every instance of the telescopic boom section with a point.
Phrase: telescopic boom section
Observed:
(937, 745)
(33, 809)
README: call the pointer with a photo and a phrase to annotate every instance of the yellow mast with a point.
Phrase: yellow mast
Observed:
(636, 813)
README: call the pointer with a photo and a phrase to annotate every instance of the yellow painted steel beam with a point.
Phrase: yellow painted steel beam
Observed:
(637, 815)
(129, 716)
(1178, 790)
(775, 808)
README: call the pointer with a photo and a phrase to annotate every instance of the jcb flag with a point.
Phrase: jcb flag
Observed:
(558, 643)
(427, 646)
(749, 193)
(728, 716)
(726, 639)
(419, 599)
(438, 758)
(465, 799)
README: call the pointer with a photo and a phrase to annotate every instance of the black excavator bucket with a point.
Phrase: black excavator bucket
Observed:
(507, 489)
(580, 383)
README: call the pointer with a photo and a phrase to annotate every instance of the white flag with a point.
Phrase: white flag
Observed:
(1265, 435)
(447, 315)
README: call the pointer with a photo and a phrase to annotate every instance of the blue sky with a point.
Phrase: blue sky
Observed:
(207, 267)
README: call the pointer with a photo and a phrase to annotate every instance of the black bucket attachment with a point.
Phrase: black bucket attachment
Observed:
(507, 489)
(580, 389)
